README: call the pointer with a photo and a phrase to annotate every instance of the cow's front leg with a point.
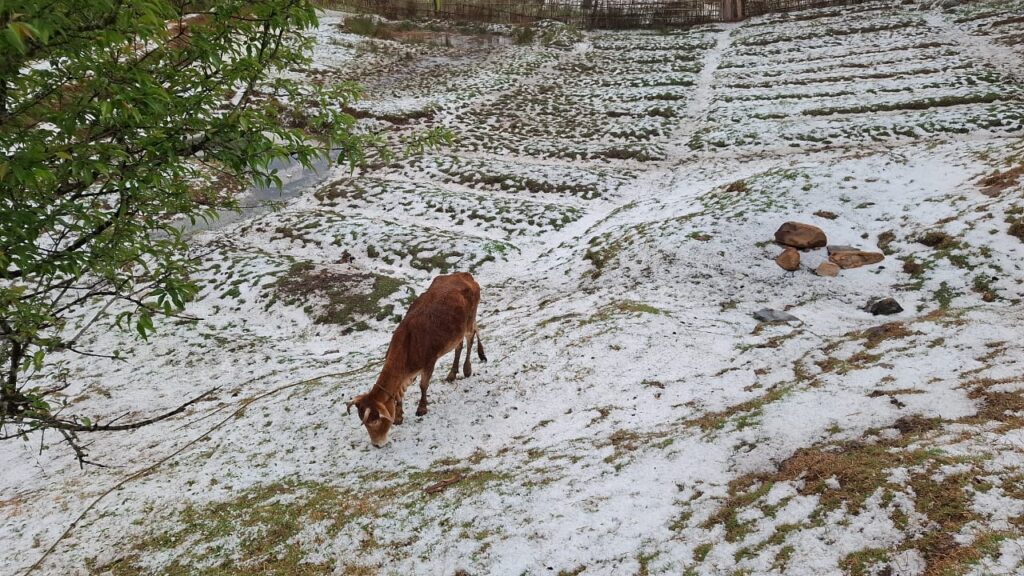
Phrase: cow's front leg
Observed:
(421, 409)
(399, 410)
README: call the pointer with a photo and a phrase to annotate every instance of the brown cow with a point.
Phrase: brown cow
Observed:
(442, 319)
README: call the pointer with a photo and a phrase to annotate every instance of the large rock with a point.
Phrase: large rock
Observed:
(883, 306)
(827, 269)
(799, 235)
(789, 259)
(846, 257)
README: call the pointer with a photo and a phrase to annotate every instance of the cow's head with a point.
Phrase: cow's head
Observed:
(375, 416)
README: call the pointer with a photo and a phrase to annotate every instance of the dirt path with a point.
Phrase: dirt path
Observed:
(704, 89)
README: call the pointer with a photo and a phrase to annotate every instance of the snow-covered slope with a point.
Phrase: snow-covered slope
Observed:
(616, 201)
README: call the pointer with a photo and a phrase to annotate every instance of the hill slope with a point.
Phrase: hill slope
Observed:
(616, 200)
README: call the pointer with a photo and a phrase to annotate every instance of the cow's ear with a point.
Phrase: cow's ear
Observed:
(384, 413)
(355, 402)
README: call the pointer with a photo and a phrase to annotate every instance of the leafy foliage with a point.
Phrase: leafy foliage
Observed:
(109, 110)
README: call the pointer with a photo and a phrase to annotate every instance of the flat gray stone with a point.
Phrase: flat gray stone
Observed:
(770, 315)
(833, 248)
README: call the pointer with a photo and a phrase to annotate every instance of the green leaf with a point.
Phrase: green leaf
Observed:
(144, 324)
(14, 39)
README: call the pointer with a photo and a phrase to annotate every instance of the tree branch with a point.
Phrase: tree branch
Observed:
(73, 426)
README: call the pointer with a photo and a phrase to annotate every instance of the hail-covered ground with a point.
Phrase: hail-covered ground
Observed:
(615, 194)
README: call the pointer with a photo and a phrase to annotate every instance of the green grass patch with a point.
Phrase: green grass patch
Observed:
(343, 299)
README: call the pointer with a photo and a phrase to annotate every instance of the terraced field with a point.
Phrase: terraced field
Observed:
(615, 194)
(822, 82)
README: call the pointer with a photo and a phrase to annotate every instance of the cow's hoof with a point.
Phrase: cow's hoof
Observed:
(421, 411)
(451, 377)
(468, 372)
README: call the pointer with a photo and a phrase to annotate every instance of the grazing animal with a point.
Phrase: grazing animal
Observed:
(442, 319)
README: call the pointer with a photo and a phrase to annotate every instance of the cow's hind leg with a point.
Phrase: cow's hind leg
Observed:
(466, 368)
(421, 409)
(479, 347)
(455, 366)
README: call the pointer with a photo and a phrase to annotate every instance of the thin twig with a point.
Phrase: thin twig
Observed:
(93, 354)
(80, 454)
(440, 486)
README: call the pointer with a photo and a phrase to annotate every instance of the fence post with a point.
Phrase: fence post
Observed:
(732, 10)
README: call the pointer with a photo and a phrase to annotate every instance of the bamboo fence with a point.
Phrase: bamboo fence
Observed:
(757, 7)
(620, 14)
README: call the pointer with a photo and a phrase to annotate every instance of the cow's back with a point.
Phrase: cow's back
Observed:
(437, 318)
